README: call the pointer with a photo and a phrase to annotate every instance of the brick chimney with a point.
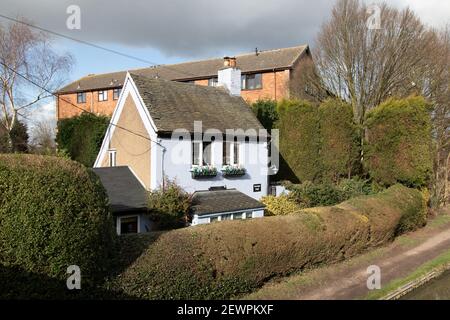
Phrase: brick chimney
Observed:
(230, 76)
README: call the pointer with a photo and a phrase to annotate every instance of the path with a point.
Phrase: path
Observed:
(347, 280)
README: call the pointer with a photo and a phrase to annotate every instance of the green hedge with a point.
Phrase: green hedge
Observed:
(53, 213)
(226, 259)
(82, 136)
(266, 112)
(339, 151)
(398, 145)
(298, 126)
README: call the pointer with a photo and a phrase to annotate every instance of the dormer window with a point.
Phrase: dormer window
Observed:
(112, 157)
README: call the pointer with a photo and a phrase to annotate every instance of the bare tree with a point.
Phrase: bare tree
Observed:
(29, 53)
(43, 137)
(435, 82)
(365, 66)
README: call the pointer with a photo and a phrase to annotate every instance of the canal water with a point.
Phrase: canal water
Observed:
(436, 289)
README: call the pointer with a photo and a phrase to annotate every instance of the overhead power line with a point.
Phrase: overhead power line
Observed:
(126, 55)
(71, 103)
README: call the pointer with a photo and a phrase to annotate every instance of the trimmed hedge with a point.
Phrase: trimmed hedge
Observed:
(53, 213)
(398, 147)
(226, 259)
(298, 126)
(339, 151)
(266, 112)
(82, 136)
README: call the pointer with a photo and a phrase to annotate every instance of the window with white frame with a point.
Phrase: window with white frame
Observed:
(116, 93)
(251, 81)
(230, 153)
(238, 216)
(248, 215)
(202, 153)
(112, 157)
(213, 82)
(81, 97)
(228, 216)
(102, 95)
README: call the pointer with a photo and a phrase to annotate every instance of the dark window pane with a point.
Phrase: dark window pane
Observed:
(195, 153)
(128, 225)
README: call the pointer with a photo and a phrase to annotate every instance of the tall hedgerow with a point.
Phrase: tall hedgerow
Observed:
(82, 136)
(266, 112)
(398, 142)
(298, 126)
(339, 140)
(53, 214)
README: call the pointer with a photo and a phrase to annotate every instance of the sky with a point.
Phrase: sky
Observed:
(171, 31)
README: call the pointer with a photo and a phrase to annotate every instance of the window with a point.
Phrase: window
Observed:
(238, 216)
(226, 217)
(116, 93)
(212, 82)
(128, 224)
(213, 219)
(112, 158)
(81, 97)
(196, 153)
(103, 95)
(204, 157)
(251, 81)
(248, 215)
(230, 153)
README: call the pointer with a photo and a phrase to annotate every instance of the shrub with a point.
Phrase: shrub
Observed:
(169, 205)
(266, 112)
(279, 206)
(299, 139)
(310, 194)
(339, 149)
(223, 260)
(82, 136)
(398, 146)
(53, 213)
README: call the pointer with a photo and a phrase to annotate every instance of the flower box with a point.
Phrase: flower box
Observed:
(233, 171)
(203, 172)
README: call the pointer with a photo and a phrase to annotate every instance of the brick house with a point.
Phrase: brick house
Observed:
(272, 74)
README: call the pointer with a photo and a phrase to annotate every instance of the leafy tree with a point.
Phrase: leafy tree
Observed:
(14, 141)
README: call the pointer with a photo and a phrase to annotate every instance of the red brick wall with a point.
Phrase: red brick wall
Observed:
(275, 85)
(67, 110)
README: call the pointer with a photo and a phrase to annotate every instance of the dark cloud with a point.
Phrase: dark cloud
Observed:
(182, 27)
(196, 27)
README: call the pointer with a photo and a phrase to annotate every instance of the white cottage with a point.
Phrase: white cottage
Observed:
(206, 139)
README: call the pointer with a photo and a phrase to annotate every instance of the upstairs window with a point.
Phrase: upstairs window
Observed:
(212, 82)
(103, 95)
(116, 93)
(81, 97)
(251, 81)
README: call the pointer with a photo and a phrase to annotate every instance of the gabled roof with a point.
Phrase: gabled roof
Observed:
(251, 62)
(218, 201)
(125, 192)
(176, 105)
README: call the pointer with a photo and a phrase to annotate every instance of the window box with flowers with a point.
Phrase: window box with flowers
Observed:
(233, 170)
(204, 171)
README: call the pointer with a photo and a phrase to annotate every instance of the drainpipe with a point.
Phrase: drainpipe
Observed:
(162, 165)
(275, 83)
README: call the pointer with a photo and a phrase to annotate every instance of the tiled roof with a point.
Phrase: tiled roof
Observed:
(218, 201)
(251, 62)
(125, 192)
(176, 105)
